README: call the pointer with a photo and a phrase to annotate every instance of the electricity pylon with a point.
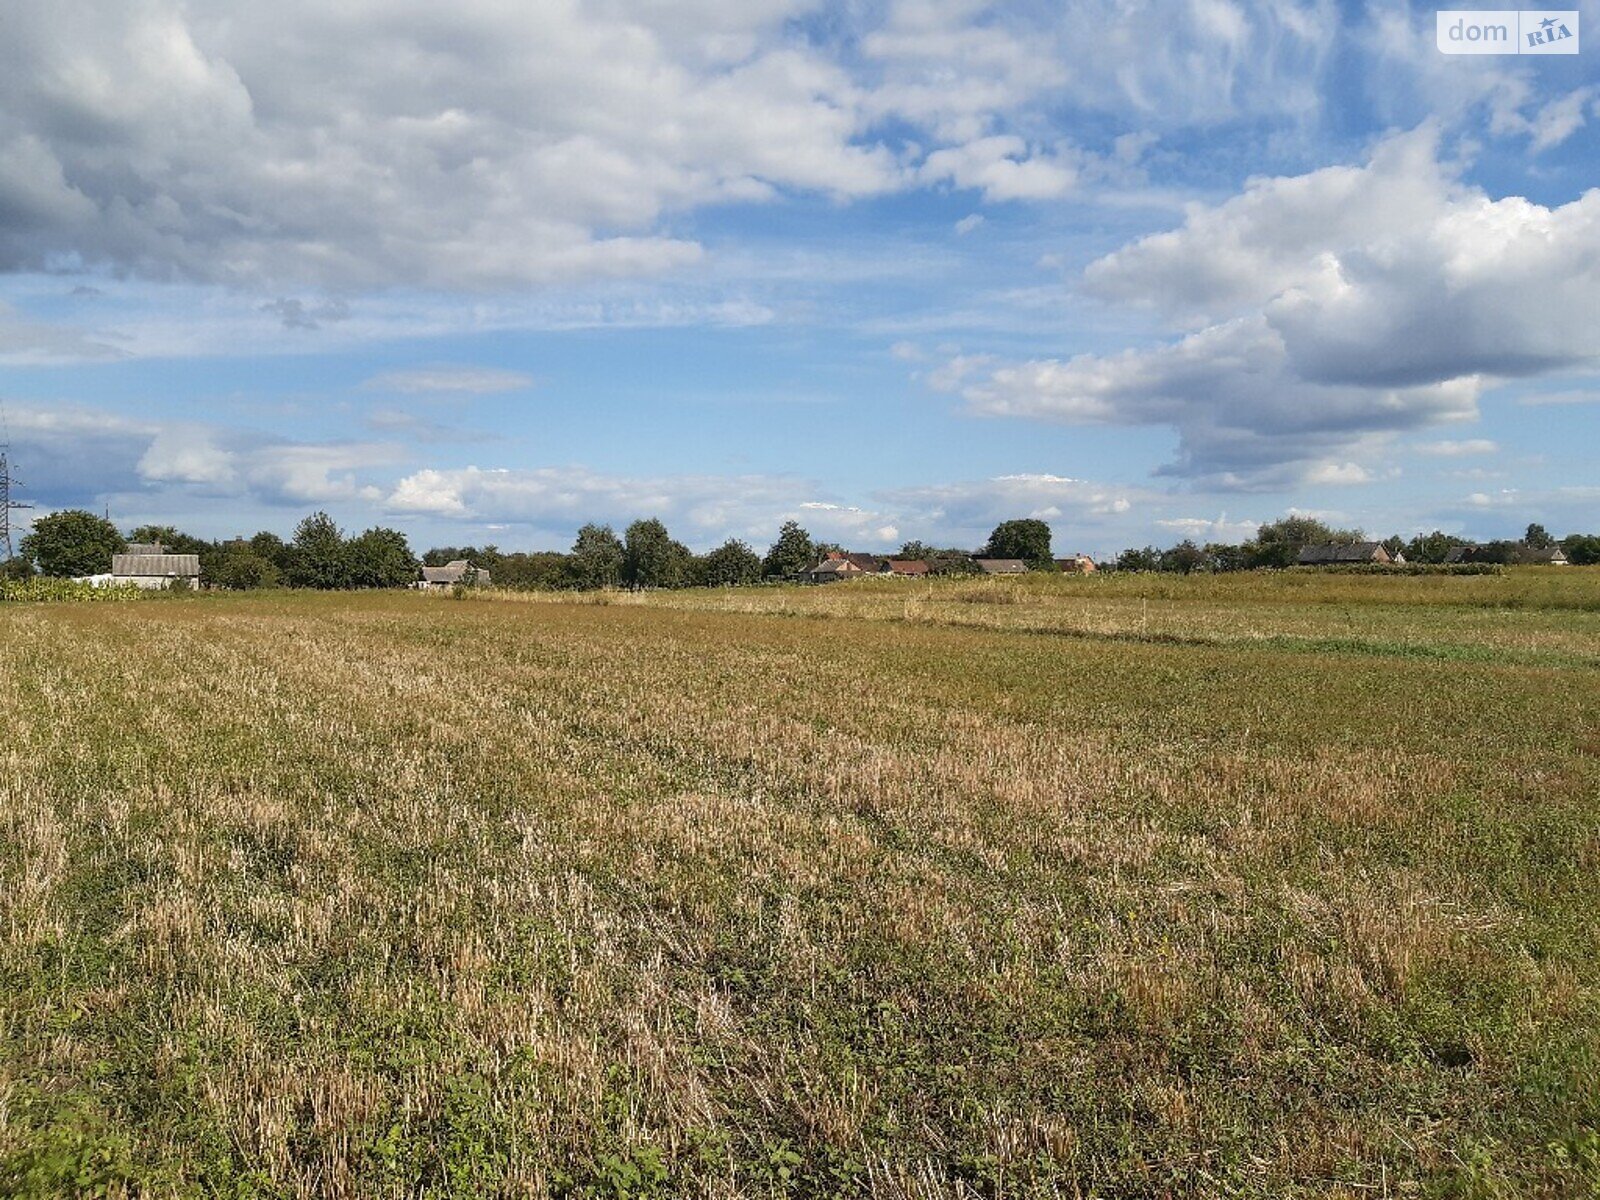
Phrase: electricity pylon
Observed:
(7, 505)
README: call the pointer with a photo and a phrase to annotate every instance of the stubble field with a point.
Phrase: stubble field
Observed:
(1276, 886)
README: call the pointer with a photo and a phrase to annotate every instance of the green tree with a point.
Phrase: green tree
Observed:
(917, 551)
(791, 553)
(544, 569)
(272, 548)
(1503, 552)
(379, 558)
(1185, 558)
(951, 562)
(240, 568)
(318, 560)
(1224, 556)
(1133, 559)
(440, 555)
(72, 542)
(597, 557)
(1538, 537)
(1432, 547)
(1581, 549)
(651, 558)
(167, 535)
(174, 541)
(1027, 539)
(733, 562)
(1278, 543)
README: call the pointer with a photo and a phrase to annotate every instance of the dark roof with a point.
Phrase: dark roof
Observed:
(1526, 554)
(1541, 554)
(906, 566)
(1356, 552)
(1001, 566)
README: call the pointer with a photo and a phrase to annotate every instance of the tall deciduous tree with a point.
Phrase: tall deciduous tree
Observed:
(1432, 547)
(652, 558)
(597, 557)
(1135, 559)
(240, 568)
(380, 558)
(272, 548)
(1223, 556)
(539, 569)
(791, 553)
(167, 535)
(318, 559)
(1185, 558)
(733, 562)
(1582, 549)
(1027, 539)
(72, 542)
(1538, 537)
(1278, 543)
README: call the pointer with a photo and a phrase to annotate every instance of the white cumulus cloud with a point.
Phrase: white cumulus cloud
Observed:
(1325, 309)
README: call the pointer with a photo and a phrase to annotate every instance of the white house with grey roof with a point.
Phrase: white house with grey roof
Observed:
(148, 565)
(455, 571)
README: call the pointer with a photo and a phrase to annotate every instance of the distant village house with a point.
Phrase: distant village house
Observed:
(1542, 556)
(1520, 553)
(905, 566)
(456, 571)
(1330, 555)
(148, 565)
(840, 564)
(832, 569)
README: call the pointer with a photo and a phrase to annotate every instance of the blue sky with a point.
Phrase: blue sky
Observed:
(898, 270)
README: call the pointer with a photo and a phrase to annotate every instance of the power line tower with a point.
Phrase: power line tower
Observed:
(7, 505)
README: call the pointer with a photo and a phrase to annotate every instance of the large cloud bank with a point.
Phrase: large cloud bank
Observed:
(1321, 310)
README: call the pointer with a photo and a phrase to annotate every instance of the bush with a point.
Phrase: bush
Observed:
(244, 570)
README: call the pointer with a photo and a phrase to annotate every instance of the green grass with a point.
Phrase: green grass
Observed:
(1283, 886)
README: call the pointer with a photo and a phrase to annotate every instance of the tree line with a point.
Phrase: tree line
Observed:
(1278, 544)
(75, 543)
(645, 555)
(320, 555)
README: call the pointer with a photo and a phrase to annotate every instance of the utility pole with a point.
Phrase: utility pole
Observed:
(7, 505)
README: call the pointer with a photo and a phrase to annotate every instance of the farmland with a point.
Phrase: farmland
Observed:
(1149, 886)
